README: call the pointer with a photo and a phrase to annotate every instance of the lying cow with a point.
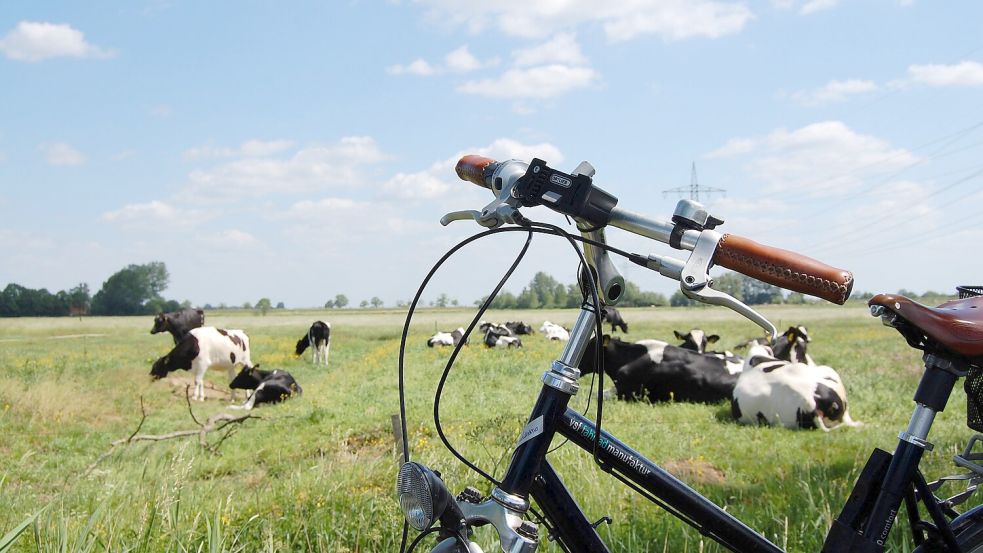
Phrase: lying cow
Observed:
(794, 395)
(611, 315)
(268, 386)
(496, 337)
(178, 323)
(553, 331)
(657, 371)
(791, 346)
(452, 338)
(696, 340)
(204, 348)
(519, 327)
(318, 338)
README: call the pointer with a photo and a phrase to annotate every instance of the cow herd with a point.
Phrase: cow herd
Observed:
(776, 382)
(198, 348)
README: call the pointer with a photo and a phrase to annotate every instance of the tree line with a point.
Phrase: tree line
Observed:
(133, 290)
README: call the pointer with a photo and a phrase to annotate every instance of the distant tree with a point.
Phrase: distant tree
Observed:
(365, 303)
(442, 300)
(730, 283)
(454, 302)
(186, 304)
(376, 302)
(247, 305)
(329, 304)
(79, 299)
(633, 296)
(264, 305)
(279, 305)
(130, 290)
(208, 306)
(795, 298)
(340, 301)
(679, 299)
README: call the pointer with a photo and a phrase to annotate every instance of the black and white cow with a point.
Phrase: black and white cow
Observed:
(446, 338)
(204, 348)
(554, 332)
(498, 337)
(794, 395)
(658, 371)
(696, 340)
(318, 338)
(791, 346)
(519, 327)
(268, 386)
(613, 316)
(178, 323)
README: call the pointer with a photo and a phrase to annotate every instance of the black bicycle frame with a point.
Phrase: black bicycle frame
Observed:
(529, 473)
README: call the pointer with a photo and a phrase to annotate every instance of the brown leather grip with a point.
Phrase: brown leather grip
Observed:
(783, 268)
(472, 168)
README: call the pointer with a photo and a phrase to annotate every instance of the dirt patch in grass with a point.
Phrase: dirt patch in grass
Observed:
(696, 470)
(179, 387)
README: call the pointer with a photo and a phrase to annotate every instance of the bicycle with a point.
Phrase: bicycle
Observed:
(951, 337)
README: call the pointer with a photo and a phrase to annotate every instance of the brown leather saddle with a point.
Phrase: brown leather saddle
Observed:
(956, 325)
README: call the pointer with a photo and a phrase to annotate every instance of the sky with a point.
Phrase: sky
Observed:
(299, 150)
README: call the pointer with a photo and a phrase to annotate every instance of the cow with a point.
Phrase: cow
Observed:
(519, 327)
(178, 323)
(771, 391)
(554, 332)
(446, 338)
(611, 315)
(268, 386)
(695, 340)
(495, 337)
(791, 346)
(318, 338)
(204, 348)
(657, 371)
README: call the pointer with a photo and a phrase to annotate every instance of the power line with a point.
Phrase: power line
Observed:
(694, 188)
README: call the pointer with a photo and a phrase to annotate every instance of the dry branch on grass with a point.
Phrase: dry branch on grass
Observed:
(214, 423)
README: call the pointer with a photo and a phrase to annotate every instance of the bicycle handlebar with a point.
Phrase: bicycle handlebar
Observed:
(472, 169)
(782, 268)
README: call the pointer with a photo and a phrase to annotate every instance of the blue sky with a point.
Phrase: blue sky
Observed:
(298, 150)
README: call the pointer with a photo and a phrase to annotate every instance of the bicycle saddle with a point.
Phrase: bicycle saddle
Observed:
(956, 324)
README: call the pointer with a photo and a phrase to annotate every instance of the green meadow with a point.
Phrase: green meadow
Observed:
(317, 473)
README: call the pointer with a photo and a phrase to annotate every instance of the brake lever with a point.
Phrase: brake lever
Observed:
(503, 209)
(695, 282)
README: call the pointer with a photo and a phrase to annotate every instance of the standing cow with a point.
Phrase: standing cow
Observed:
(318, 338)
(178, 323)
(793, 395)
(613, 316)
(202, 349)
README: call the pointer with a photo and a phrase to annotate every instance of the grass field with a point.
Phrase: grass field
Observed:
(317, 473)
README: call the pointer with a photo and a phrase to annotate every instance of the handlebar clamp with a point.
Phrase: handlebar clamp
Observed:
(570, 194)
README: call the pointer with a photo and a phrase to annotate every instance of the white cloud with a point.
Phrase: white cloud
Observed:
(460, 60)
(309, 169)
(231, 239)
(822, 159)
(806, 8)
(733, 147)
(814, 6)
(250, 148)
(155, 215)
(417, 67)
(440, 180)
(834, 91)
(625, 20)
(547, 81)
(561, 49)
(34, 41)
(966, 73)
(61, 154)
